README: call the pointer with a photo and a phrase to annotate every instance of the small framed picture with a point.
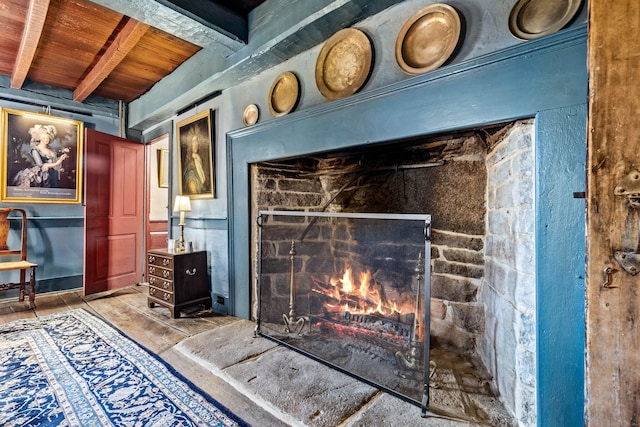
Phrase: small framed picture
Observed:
(41, 158)
(163, 167)
(195, 148)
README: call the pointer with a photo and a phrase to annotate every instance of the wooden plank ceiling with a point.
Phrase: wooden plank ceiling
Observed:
(89, 49)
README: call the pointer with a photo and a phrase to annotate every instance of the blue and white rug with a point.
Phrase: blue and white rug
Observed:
(73, 369)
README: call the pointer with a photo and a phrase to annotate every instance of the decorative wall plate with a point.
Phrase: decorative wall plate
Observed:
(284, 94)
(344, 63)
(428, 38)
(530, 19)
(250, 115)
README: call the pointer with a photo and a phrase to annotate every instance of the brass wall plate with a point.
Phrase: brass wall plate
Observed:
(250, 115)
(428, 38)
(284, 94)
(344, 63)
(530, 19)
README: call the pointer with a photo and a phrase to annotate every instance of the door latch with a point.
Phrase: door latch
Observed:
(608, 272)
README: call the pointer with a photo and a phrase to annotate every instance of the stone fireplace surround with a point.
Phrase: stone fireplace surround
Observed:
(524, 81)
(478, 186)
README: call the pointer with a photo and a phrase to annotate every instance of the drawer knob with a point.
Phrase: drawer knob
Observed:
(167, 296)
(165, 262)
(152, 281)
(152, 291)
(191, 272)
(165, 274)
(152, 259)
(152, 270)
(165, 285)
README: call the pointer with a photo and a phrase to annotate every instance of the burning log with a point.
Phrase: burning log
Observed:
(336, 306)
(333, 300)
(377, 331)
(334, 296)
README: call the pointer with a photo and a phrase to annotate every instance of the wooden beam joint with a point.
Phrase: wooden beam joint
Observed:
(122, 44)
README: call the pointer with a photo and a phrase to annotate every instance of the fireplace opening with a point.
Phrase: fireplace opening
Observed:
(477, 186)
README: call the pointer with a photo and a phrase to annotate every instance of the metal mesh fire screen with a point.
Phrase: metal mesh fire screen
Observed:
(351, 291)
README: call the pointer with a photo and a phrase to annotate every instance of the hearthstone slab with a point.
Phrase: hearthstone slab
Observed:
(301, 391)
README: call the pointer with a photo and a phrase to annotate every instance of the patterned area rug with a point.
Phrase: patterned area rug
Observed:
(73, 369)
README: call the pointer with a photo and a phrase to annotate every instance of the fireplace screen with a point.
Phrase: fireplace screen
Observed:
(352, 291)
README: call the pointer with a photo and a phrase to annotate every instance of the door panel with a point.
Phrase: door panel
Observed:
(157, 234)
(114, 187)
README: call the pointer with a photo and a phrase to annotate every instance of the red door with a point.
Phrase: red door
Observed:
(114, 183)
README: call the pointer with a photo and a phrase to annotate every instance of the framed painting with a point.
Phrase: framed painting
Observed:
(195, 156)
(41, 158)
(163, 167)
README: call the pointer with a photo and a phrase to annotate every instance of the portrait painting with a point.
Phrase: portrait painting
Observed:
(41, 158)
(195, 156)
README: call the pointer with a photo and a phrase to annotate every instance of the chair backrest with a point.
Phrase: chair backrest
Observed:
(5, 226)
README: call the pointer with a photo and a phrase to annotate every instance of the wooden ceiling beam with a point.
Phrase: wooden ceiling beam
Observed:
(126, 40)
(165, 16)
(214, 16)
(36, 15)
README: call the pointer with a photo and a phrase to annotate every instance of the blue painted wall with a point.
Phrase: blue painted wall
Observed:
(560, 263)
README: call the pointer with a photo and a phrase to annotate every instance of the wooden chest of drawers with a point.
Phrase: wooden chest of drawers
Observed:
(178, 280)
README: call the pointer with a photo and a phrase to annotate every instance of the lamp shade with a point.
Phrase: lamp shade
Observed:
(182, 204)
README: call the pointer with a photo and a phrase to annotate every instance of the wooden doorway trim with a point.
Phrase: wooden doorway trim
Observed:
(157, 200)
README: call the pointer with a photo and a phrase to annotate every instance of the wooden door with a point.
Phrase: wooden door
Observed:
(114, 194)
(613, 234)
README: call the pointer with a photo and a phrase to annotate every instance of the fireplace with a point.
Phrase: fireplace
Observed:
(477, 187)
(536, 260)
(350, 290)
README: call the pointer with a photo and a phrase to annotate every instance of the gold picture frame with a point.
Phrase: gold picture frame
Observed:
(195, 148)
(41, 158)
(162, 155)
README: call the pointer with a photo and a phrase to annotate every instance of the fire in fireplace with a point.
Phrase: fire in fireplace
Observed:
(350, 290)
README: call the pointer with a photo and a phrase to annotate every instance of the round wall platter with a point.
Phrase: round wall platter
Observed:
(284, 94)
(428, 38)
(530, 19)
(344, 63)
(250, 115)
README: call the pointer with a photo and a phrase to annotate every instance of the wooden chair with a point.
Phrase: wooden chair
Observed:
(12, 254)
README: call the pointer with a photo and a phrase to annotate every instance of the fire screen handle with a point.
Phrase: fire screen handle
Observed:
(293, 324)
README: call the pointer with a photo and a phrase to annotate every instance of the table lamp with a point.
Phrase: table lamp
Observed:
(182, 205)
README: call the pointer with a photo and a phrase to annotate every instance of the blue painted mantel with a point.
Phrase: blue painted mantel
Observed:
(545, 79)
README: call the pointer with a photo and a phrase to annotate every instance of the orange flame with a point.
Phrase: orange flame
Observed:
(368, 299)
